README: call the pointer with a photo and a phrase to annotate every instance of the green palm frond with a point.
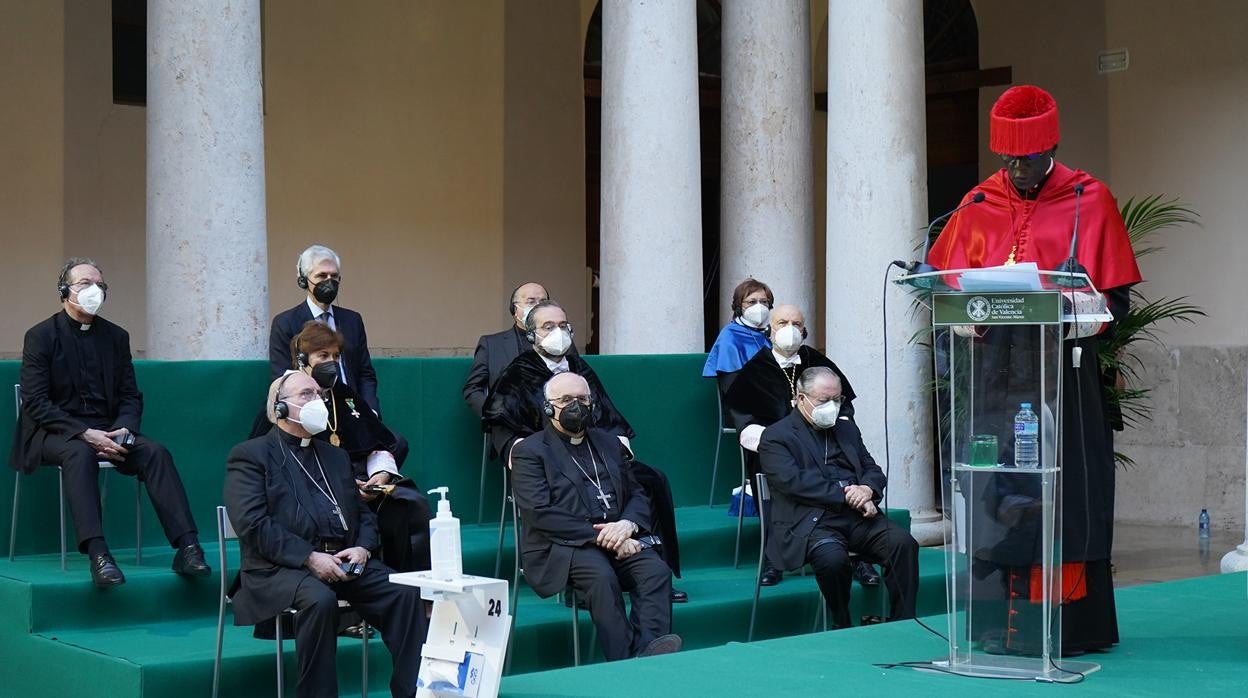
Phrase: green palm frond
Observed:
(1147, 216)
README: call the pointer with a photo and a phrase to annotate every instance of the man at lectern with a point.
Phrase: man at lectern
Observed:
(1029, 213)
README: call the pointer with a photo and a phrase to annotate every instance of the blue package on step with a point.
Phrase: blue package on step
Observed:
(451, 679)
(734, 504)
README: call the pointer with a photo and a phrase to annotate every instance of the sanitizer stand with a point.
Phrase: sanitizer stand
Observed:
(464, 652)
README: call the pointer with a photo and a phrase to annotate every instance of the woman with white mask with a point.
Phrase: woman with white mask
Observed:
(743, 336)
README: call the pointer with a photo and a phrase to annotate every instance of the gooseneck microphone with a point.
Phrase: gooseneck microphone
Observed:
(1072, 265)
(920, 266)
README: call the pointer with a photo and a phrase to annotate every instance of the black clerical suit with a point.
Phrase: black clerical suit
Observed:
(493, 353)
(356, 360)
(514, 411)
(807, 470)
(559, 488)
(73, 380)
(273, 493)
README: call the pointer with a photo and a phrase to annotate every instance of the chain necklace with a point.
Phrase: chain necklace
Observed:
(328, 493)
(595, 480)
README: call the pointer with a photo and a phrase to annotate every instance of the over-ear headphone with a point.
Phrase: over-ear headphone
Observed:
(302, 281)
(280, 409)
(511, 302)
(547, 408)
(300, 355)
(803, 332)
(61, 286)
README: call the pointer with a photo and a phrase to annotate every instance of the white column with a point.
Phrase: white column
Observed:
(207, 258)
(651, 280)
(877, 202)
(766, 169)
(1237, 559)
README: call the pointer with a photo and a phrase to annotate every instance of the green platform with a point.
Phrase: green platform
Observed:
(153, 637)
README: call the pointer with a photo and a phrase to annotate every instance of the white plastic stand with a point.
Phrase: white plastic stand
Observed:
(464, 652)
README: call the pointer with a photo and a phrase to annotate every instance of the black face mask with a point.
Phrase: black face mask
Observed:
(326, 291)
(574, 418)
(325, 374)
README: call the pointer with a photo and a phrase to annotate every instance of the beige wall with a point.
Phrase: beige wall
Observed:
(1178, 119)
(32, 175)
(544, 155)
(384, 140)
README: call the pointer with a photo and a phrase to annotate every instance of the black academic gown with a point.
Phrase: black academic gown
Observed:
(514, 410)
(761, 393)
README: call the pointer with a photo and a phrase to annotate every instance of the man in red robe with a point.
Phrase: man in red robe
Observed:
(1028, 214)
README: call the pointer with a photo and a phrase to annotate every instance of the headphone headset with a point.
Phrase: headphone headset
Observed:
(302, 281)
(547, 408)
(803, 332)
(280, 409)
(300, 355)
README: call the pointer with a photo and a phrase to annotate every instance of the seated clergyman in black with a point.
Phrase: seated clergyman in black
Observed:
(825, 487)
(495, 351)
(586, 523)
(293, 501)
(514, 411)
(767, 393)
(81, 405)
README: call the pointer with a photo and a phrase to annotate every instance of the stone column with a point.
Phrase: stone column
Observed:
(766, 197)
(651, 280)
(1237, 559)
(877, 199)
(207, 259)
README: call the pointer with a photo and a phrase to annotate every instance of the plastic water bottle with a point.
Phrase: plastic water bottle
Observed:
(1202, 524)
(1026, 438)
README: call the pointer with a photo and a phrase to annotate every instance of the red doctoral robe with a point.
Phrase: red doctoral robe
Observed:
(982, 235)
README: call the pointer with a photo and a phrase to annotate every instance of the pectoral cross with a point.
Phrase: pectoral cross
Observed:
(605, 499)
(341, 519)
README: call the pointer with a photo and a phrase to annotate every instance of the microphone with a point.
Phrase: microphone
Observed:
(921, 266)
(1072, 265)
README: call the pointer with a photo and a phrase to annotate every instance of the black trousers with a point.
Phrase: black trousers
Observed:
(147, 460)
(877, 540)
(662, 511)
(601, 579)
(395, 610)
(403, 526)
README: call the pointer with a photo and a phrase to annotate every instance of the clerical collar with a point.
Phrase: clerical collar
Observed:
(786, 362)
(292, 439)
(560, 366)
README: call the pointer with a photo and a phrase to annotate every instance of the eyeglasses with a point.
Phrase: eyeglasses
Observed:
(549, 327)
(303, 396)
(564, 401)
(83, 284)
(839, 399)
(1019, 159)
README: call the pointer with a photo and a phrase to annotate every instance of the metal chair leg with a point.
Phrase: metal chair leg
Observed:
(364, 662)
(719, 441)
(138, 521)
(17, 488)
(736, 555)
(281, 684)
(60, 484)
(502, 526)
(485, 456)
(576, 633)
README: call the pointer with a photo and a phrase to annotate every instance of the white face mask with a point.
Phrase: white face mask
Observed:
(557, 342)
(756, 315)
(788, 339)
(90, 299)
(824, 416)
(313, 416)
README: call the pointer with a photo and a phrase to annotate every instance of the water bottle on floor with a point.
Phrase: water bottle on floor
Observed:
(1026, 438)
(1202, 524)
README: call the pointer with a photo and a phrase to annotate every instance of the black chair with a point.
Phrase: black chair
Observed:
(60, 482)
(225, 532)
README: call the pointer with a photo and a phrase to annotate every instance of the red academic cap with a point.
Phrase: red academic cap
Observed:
(1023, 121)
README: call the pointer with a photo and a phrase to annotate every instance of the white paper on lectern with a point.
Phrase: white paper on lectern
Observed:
(1015, 277)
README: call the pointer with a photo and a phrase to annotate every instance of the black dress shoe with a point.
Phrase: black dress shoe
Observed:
(679, 596)
(189, 561)
(663, 644)
(105, 572)
(866, 575)
(771, 577)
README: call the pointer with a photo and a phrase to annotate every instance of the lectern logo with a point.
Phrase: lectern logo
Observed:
(977, 309)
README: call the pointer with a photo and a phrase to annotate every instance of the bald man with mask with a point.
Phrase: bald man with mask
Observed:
(495, 351)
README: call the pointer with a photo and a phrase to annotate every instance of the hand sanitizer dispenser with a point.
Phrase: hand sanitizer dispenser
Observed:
(445, 552)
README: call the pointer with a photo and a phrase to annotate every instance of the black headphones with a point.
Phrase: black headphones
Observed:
(302, 281)
(300, 355)
(280, 409)
(511, 303)
(547, 408)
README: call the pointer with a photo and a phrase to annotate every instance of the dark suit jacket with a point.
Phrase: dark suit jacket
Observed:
(551, 499)
(356, 360)
(801, 493)
(268, 499)
(493, 353)
(50, 379)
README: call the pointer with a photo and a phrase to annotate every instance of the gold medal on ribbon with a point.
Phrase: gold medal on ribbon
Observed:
(334, 440)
